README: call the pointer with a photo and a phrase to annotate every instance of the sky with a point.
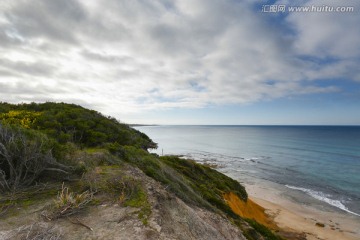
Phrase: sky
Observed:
(185, 61)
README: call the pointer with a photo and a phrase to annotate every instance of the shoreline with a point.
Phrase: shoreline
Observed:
(297, 217)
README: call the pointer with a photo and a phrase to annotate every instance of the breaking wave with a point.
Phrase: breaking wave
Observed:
(324, 198)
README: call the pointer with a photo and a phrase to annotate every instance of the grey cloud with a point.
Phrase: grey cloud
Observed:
(327, 34)
(35, 89)
(7, 73)
(6, 40)
(19, 93)
(56, 20)
(32, 91)
(107, 58)
(194, 52)
(33, 69)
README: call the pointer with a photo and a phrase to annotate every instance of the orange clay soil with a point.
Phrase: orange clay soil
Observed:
(249, 209)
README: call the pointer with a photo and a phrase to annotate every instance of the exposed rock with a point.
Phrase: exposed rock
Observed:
(171, 218)
(318, 224)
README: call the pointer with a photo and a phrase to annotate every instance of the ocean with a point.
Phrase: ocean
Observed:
(317, 165)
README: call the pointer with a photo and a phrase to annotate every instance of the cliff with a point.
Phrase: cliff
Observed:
(71, 173)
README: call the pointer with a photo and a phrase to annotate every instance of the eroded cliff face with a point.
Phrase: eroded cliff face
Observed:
(249, 209)
(170, 218)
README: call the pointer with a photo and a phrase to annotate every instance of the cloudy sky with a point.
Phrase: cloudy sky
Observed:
(185, 61)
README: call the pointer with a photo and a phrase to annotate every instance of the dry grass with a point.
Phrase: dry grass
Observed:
(114, 185)
(111, 183)
(13, 202)
(68, 203)
(35, 231)
(4, 209)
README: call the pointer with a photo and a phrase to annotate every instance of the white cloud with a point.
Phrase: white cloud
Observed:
(131, 56)
(327, 34)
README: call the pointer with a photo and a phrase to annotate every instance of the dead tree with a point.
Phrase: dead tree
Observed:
(24, 156)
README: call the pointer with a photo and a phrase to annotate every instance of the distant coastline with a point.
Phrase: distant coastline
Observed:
(142, 125)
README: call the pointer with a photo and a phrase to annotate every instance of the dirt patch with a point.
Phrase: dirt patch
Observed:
(249, 209)
(169, 218)
(252, 210)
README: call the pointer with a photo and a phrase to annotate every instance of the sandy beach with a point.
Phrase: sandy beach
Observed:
(315, 223)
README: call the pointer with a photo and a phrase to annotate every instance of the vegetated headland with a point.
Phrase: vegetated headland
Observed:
(67, 172)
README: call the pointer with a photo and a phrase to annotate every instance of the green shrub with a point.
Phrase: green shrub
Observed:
(263, 230)
(119, 188)
(73, 123)
(25, 155)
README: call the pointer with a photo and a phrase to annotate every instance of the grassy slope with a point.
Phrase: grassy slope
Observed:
(79, 131)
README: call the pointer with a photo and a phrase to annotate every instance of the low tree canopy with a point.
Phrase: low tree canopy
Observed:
(73, 123)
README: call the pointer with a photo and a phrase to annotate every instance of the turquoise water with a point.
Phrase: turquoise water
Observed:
(322, 162)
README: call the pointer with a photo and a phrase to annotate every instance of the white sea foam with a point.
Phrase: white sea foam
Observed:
(324, 198)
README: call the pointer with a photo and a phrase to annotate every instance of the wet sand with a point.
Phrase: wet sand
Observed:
(315, 223)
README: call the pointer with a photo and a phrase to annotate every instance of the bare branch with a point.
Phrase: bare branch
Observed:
(24, 156)
(56, 170)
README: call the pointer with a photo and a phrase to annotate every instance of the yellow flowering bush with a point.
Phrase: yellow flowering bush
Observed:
(23, 118)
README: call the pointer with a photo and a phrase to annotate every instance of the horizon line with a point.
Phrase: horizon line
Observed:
(255, 125)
